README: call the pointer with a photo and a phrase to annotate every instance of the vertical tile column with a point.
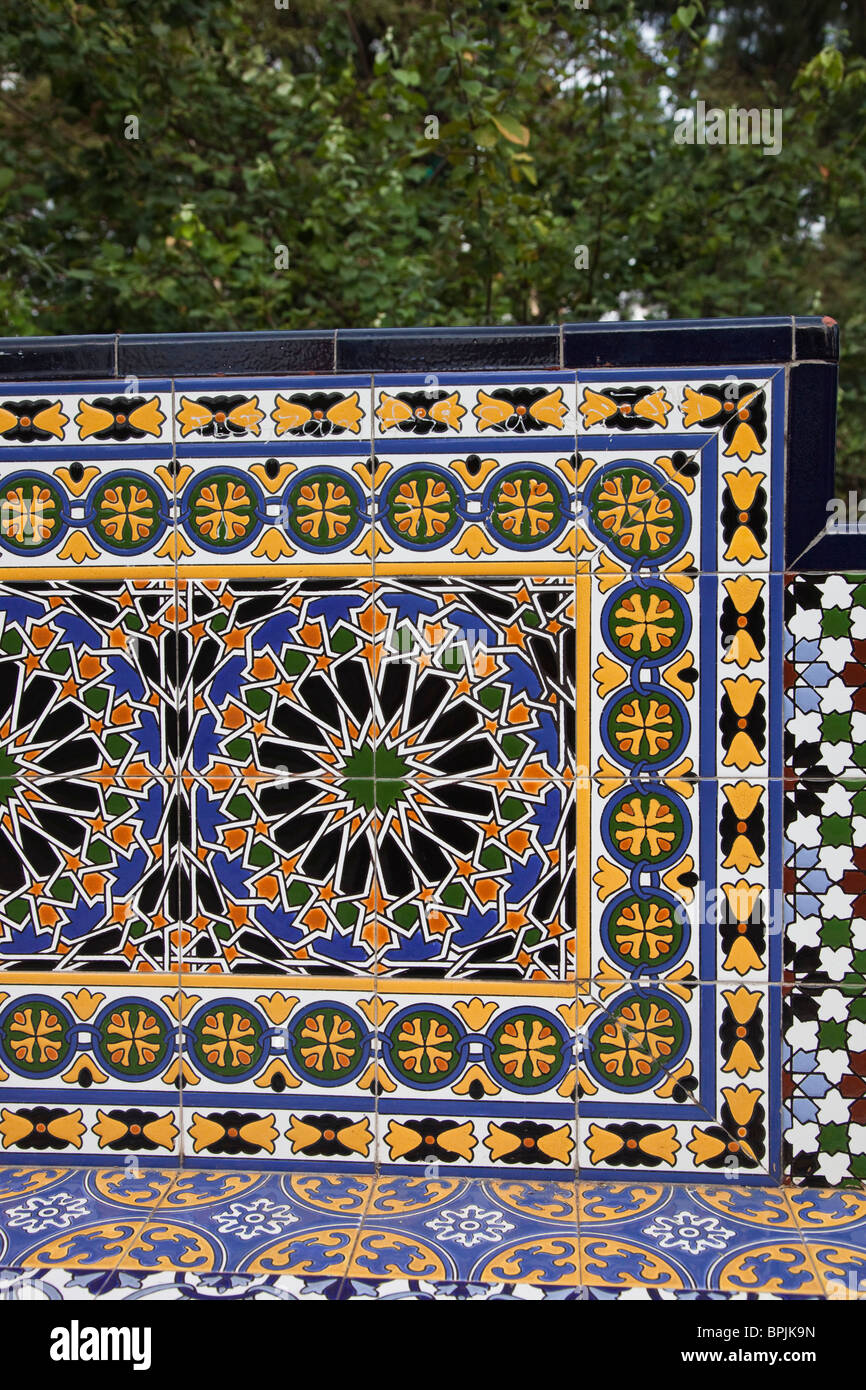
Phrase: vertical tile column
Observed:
(276, 677)
(477, 630)
(88, 772)
(679, 496)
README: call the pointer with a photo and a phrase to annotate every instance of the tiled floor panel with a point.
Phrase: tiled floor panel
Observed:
(150, 1233)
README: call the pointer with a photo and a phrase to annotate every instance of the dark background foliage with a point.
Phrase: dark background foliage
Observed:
(300, 134)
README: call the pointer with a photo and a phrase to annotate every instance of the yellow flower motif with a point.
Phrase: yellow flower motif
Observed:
(528, 1047)
(642, 516)
(228, 1040)
(425, 511)
(527, 503)
(324, 510)
(224, 520)
(132, 1042)
(37, 1035)
(126, 513)
(323, 1044)
(649, 618)
(27, 519)
(419, 1045)
(654, 827)
(632, 1044)
(646, 725)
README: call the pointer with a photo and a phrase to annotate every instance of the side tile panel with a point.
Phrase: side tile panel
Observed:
(824, 1074)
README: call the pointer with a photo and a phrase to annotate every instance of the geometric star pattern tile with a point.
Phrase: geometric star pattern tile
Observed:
(824, 901)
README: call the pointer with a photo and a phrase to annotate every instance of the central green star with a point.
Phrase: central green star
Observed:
(392, 776)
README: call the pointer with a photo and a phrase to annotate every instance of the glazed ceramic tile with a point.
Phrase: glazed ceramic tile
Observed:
(252, 1223)
(475, 879)
(727, 1238)
(244, 515)
(476, 676)
(646, 694)
(273, 476)
(479, 1137)
(825, 704)
(164, 1286)
(38, 416)
(834, 1227)
(508, 507)
(278, 1074)
(457, 1291)
(85, 481)
(80, 1217)
(90, 1069)
(678, 1080)
(825, 882)
(443, 1228)
(87, 680)
(492, 406)
(681, 465)
(824, 1085)
(684, 882)
(277, 680)
(291, 411)
(503, 1054)
(279, 876)
(681, 675)
(89, 878)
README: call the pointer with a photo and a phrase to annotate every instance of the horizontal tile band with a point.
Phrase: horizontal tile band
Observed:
(442, 570)
(564, 989)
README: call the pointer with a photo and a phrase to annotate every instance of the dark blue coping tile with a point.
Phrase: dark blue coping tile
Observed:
(226, 354)
(665, 343)
(816, 339)
(446, 349)
(810, 472)
(834, 553)
(53, 359)
(679, 342)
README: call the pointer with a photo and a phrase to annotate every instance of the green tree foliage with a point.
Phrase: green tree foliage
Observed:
(284, 174)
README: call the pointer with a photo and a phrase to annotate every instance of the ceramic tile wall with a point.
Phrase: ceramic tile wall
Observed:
(391, 772)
